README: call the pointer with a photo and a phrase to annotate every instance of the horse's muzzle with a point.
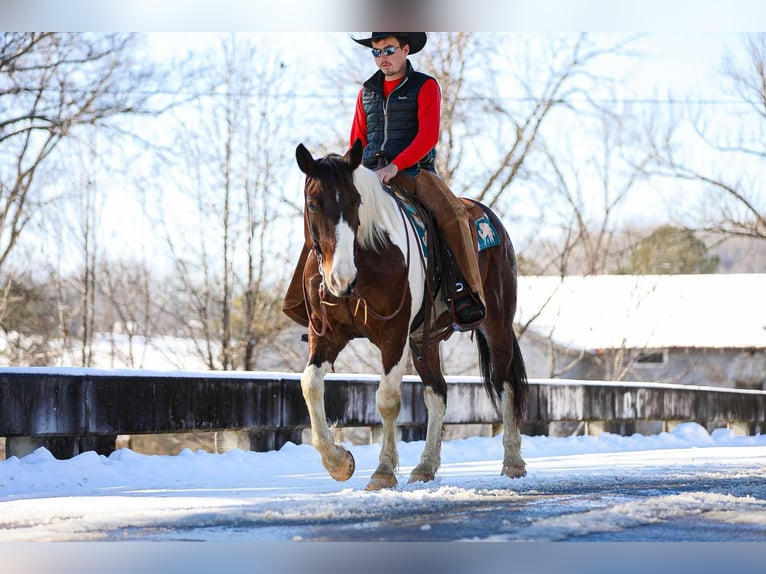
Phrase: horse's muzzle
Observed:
(341, 288)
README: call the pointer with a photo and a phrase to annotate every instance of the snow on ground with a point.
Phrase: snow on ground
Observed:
(287, 495)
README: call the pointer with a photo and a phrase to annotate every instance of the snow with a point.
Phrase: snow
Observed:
(284, 495)
(646, 311)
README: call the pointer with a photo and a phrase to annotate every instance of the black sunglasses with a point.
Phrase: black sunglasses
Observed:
(387, 51)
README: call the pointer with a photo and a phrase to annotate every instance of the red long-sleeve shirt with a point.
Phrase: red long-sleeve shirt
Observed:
(429, 111)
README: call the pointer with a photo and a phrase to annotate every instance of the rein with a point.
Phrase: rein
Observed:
(323, 331)
(355, 295)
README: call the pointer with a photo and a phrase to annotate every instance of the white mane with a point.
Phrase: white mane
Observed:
(378, 214)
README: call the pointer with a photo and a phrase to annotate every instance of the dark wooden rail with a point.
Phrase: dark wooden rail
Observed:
(73, 410)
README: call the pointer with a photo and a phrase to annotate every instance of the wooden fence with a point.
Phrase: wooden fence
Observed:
(73, 410)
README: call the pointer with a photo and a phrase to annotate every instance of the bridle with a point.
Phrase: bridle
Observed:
(354, 297)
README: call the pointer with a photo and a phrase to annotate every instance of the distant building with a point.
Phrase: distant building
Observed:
(687, 329)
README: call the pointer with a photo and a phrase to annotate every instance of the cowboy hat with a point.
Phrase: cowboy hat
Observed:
(416, 40)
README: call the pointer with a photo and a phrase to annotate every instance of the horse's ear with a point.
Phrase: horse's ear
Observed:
(305, 160)
(353, 156)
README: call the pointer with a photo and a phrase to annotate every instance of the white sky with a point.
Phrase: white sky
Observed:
(681, 64)
(676, 64)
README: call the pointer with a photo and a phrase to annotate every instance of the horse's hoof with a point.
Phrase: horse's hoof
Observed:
(421, 476)
(379, 481)
(345, 469)
(514, 470)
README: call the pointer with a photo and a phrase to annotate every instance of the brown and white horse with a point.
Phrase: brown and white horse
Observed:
(365, 278)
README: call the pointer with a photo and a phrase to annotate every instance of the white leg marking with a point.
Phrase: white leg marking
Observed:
(312, 385)
(389, 398)
(430, 460)
(513, 463)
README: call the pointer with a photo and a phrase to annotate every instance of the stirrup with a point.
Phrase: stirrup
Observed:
(467, 312)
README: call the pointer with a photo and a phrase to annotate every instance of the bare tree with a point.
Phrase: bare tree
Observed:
(582, 195)
(89, 211)
(132, 309)
(230, 177)
(55, 88)
(729, 149)
(52, 85)
(499, 92)
(27, 317)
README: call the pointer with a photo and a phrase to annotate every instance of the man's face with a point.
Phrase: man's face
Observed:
(392, 65)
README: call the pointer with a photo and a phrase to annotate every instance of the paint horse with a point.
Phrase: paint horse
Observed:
(365, 278)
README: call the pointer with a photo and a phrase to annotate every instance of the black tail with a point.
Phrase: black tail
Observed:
(519, 381)
(494, 384)
(487, 372)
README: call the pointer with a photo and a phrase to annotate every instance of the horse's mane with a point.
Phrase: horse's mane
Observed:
(379, 218)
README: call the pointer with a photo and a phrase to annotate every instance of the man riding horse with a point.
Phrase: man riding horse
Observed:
(397, 119)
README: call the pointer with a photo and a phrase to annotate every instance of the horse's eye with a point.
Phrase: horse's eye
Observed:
(312, 205)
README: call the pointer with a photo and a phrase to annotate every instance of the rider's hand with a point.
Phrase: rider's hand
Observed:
(387, 173)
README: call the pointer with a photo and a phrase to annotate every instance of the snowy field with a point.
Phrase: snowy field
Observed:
(252, 509)
(286, 495)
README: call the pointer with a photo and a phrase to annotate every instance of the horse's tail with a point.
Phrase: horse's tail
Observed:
(519, 382)
(494, 384)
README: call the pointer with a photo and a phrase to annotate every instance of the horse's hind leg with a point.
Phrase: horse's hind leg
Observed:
(515, 387)
(513, 463)
(503, 365)
(435, 397)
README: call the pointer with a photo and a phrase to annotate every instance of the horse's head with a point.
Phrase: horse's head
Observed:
(332, 213)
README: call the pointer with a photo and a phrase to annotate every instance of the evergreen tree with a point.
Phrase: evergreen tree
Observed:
(669, 250)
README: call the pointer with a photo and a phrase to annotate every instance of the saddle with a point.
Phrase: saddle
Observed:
(442, 275)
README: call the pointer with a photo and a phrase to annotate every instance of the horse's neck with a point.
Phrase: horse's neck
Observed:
(379, 218)
(385, 224)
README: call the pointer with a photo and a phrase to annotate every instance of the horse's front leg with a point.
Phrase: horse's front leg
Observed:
(336, 459)
(388, 399)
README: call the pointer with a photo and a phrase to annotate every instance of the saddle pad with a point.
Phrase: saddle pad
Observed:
(417, 222)
(486, 233)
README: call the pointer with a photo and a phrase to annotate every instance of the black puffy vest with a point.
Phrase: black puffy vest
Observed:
(392, 125)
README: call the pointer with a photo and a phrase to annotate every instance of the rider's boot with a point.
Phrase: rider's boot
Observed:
(452, 217)
(294, 304)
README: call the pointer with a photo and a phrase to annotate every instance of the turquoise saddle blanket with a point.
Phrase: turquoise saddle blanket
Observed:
(487, 235)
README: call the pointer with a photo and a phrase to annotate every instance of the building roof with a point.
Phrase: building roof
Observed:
(647, 311)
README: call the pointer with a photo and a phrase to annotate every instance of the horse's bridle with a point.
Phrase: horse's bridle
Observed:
(354, 295)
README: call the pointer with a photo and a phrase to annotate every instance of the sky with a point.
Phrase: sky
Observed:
(678, 63)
